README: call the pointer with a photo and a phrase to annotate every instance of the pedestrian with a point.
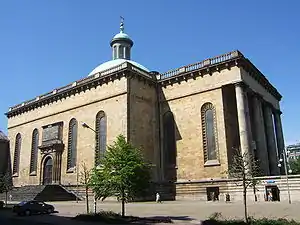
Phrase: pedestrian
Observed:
(158, 200)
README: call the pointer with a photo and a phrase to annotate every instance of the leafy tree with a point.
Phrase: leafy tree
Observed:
(295, 165)
(123, 173)
(244, 168)
(5, 184)
(85, 176)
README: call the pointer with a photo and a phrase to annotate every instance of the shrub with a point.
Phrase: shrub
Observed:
(116, 218)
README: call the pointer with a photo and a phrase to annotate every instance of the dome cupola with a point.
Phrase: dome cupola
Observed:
(121, 52)
(121, 44)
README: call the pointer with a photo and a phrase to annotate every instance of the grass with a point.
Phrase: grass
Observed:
(115, 218)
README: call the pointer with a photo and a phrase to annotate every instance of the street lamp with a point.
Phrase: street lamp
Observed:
(284, 161)
(85, 125)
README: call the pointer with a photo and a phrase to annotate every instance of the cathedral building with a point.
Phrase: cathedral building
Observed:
(187, 121)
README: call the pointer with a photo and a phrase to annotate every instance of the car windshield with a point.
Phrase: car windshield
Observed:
(22, 203)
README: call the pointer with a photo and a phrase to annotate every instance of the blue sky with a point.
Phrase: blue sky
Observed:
(50, 43)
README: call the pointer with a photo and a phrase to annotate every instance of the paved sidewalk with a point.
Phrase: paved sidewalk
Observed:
(189, 211)
(184, 212)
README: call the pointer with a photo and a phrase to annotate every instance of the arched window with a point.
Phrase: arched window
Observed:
(209, 128)
(72, 145)
(17, 154)
(169, 156)
(34, 152)
(101, 131)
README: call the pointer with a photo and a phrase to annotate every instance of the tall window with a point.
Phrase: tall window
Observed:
(209, 132)
(17, 154)
(169, 155)
(72, 145)
(101, 132)
(34, 152)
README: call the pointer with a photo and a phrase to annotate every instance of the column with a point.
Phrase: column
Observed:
(242, 118)
(279, 137)
(272, 151)
(260, 137)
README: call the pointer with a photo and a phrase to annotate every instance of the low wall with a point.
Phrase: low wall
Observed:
(198, 190)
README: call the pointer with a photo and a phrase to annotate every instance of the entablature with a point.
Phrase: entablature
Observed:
(216, 64)
(123, 70)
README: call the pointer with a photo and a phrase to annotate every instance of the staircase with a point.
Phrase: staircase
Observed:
(23, 193)
(40, 193)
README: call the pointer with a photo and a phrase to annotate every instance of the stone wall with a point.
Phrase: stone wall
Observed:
(185, 101)
(111, 98)
(4, 157)
(197, 190)
(143, 120)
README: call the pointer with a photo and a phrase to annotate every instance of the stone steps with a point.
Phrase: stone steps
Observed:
(40, 193)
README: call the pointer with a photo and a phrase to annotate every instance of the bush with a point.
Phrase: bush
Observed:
(115, 218)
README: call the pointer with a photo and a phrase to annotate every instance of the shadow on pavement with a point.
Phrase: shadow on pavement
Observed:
(179, 218)
(7, 217)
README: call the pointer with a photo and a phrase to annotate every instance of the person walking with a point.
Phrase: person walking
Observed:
(158, 200)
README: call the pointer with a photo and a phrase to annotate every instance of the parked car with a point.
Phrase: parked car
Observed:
(32, 207)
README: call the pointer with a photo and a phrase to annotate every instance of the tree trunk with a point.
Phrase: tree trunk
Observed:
(245, 199)
(245, 204)
(87, 199)
(254, 191)
(6, 198)
(123, 203)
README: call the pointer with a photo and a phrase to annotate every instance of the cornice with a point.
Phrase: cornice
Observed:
(124, 70)
(216, 64)
(208, 66)
(259, 77)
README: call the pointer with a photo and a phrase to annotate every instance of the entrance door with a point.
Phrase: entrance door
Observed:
(48, 167)
(274, 192)
(212, 193)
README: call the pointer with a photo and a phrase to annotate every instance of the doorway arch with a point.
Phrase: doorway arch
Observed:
(48, 170)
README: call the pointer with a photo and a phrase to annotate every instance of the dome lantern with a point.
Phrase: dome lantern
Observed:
(121, 44)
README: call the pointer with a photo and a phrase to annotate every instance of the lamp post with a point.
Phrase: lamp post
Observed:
(85, 125)
(284, 161)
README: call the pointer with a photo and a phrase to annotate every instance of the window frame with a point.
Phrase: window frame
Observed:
(72, 146)
(207, 161)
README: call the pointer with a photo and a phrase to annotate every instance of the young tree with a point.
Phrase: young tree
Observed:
(244, 168)
(5, 185)
(295, 165)
(85, 176)
(123, 173)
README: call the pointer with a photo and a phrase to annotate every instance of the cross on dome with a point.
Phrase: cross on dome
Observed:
(122, 24)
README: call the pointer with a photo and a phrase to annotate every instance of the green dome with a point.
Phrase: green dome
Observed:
(113, 63)
(121, 37)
